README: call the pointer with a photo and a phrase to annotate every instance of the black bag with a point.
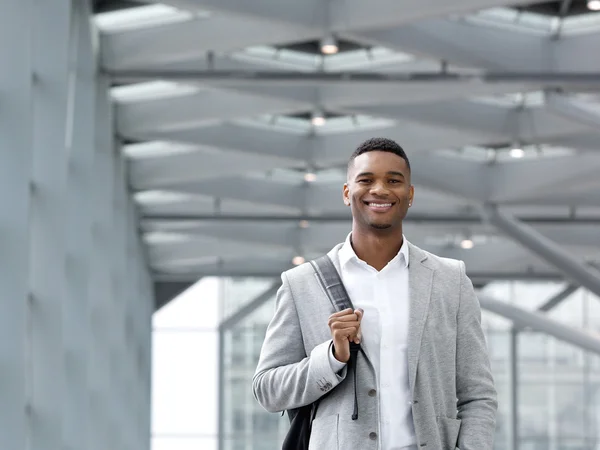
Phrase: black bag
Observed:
(301, 419)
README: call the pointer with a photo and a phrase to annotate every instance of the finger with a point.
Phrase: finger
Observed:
(348, 318)
(359, 314)
(345, 325)
(345, 333)
(342, 313)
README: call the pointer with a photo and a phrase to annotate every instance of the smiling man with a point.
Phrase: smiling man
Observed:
(423, 379)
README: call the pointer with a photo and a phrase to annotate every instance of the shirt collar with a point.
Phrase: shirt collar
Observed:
(347, 254)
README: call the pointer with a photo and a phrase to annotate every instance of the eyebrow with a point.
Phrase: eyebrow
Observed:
(391, 172)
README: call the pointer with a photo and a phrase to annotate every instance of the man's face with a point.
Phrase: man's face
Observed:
(378, 190)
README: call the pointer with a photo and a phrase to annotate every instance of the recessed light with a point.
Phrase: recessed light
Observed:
(467, 244)
(517, 153)
(318, 118)
(310, 177)
(329, 46)
(593, 5)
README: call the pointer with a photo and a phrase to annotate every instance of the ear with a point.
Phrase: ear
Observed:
(411, 195)
(346, 194)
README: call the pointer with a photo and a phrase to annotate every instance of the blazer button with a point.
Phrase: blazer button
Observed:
(372, 393)
(372, 435)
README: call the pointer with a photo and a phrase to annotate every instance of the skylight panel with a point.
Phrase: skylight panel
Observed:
(512, 19)
(151, 90)
(156, 148)
(143, 17)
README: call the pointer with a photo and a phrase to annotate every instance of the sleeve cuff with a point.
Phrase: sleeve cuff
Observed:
(322, 368)
(336, 365)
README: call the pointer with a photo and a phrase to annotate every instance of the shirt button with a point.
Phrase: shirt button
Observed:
(372, 393)
(372, 435)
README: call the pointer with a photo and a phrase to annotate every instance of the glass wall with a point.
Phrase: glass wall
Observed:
(558, 384)
(246, 426)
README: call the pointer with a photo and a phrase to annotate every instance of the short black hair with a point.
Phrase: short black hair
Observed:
(382, 145)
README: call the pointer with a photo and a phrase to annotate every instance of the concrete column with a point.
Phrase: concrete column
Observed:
(51, 44)
(514, 388)
(80, 210)
(100, 288)
(16, 119)
(75, 320)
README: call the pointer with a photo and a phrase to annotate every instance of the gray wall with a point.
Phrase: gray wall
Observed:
(75, 296)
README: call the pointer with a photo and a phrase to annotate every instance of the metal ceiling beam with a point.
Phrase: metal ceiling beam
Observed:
(358, 15)
(236, 77)
(478, 45)
(571, 109)
(328, 218)
(203, 255)
(308, 13)
(292, 239)
(467, 44)
(199, 109)
(192, 39)
(547, 249)
(576, 51)
(477, 277)
(450, 124)
(558, 298)
(250, 307)
(530, 180)
(346, 98)
(238, 138)
(339, 15)
(539, 322)
(198, 164)
(201, 249)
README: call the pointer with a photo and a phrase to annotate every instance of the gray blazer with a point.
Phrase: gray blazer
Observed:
(453, 396)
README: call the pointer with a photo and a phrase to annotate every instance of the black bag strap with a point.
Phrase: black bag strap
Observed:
(331, 281)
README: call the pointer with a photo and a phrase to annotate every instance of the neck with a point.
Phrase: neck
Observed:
(376, 247)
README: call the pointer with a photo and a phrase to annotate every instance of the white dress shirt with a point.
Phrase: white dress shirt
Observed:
(384, 297)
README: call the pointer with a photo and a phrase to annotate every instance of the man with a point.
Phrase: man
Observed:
(424, 380)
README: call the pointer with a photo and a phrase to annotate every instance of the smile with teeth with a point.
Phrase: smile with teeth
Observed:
(379, 206)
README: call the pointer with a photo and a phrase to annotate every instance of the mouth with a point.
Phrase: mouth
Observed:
(379, 206)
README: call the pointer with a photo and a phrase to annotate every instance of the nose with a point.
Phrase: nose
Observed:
(379, 189)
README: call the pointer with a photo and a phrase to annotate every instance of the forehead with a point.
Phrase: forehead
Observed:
(378, 162)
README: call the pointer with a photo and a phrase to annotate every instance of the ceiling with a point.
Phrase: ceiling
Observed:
(214, 101)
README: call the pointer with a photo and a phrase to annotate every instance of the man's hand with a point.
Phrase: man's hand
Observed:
(345, 328)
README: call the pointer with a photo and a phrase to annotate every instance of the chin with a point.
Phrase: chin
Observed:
(381, 226)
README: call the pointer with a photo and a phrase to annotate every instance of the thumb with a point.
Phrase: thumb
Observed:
(359, 313)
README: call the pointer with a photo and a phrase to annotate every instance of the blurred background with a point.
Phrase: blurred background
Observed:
(161, 163)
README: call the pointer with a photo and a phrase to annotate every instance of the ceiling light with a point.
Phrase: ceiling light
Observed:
(297, 260)
(594, 5)
(310, 177)
(517, 152)
(467, 244)
(304, 224)
(329, 45)
(318, 119)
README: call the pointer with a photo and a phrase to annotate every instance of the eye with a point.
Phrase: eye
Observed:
(395, 181)
(364, 181)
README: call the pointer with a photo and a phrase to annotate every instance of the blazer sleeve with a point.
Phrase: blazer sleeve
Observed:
(286, 377)
(476, 394)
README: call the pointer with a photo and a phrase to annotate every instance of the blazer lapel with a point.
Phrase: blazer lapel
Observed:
(420, 278)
